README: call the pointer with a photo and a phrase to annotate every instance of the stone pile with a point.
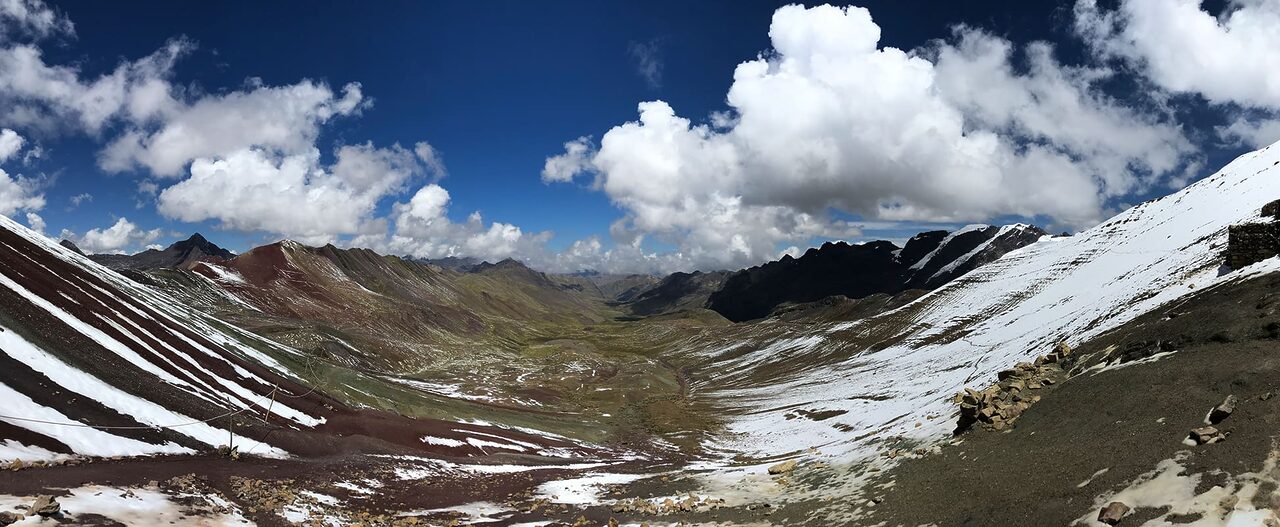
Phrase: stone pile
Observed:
(1000, 404)
(690, 503)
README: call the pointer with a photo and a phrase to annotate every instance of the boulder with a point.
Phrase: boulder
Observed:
(1206, 435)
(1112, 513)
(45, 506)
(783, 467)
(1223, 410)
(9, 518)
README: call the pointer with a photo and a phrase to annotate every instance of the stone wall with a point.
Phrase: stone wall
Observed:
(1271, 210)
(1251, 243)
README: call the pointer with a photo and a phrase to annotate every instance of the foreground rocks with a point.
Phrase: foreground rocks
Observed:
(1206, 435)
(1113, 513)
(783, 467)
(690, 503)
(1223, 411)
(45, 506)
(998, 406)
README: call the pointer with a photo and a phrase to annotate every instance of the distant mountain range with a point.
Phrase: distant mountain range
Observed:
(179, 255)
(927, 261)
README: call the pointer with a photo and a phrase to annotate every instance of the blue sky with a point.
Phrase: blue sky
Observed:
(496, 88)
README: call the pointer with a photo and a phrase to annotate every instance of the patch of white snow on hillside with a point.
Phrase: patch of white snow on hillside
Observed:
(583, 490)
(136, 507)
(224, 274)
(14, 450)
(1170, 489)
(85, 439)
(475, 512)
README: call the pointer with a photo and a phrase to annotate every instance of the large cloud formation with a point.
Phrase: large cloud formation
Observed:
(246, 159)
(1229, 59)
(831, 120)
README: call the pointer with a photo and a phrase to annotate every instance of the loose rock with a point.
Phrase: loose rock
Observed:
(9, 518)
(1112, 513)
(46, 506)
(1223, 410)
(783, 467)
(1206, 435)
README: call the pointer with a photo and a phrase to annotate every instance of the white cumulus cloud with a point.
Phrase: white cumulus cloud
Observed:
(283, 119)
(292, 195)
(829, 119)
(10, 144)
(121, 235)
(1228, 58)
(17, 193)
(421, 228)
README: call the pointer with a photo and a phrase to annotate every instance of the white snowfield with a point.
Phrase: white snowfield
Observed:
(1061, 288)
(138, 349)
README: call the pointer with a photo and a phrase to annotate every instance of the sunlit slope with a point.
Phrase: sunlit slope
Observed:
(843, 387)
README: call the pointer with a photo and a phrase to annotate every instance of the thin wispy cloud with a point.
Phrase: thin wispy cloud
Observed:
(647, 59)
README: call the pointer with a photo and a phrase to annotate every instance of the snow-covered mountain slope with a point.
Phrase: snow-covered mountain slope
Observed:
(95, 364)
(81, 344)
(846, 388)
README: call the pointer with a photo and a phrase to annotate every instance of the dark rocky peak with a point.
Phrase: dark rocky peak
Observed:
(927, 261)
(198, 243)
(921, 245)
(71, 245)
(178, 255)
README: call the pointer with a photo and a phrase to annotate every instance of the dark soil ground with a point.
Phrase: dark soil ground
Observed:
(1125, 420)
